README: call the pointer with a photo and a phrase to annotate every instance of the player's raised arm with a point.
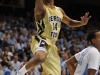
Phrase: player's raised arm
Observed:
(38, 7)
(74, 23)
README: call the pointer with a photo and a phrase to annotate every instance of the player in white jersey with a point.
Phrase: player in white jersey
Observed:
(87, 60)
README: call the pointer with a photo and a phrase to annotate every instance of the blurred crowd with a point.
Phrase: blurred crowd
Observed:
(15, 38)
(10, 2)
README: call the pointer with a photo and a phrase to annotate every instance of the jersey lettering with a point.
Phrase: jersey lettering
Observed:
(54, 18)
(54, 34)
(82, 56)
(54, 26)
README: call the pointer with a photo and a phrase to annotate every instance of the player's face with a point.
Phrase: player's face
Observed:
(97, 38)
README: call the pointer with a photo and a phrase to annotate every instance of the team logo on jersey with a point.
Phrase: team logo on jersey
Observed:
(43, 43)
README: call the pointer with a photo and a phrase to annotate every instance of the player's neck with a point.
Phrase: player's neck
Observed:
(50, 5)
(98, 47)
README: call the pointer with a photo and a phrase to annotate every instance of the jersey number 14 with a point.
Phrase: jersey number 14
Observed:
(53, 33)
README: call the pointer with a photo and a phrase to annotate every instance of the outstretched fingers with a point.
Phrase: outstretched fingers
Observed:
(82, 18)
(87, 15)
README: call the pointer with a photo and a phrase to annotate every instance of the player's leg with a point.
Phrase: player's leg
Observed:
(51, 66)
(40, 57)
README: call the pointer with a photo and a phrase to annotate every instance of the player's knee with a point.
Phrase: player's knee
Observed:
(42, 58)
(40, 54)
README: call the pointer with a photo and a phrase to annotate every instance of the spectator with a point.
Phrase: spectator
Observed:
(29, 38)
(72, 47)
(9, 70)
(4, 39)
(23, 37)
(63, 64)
(1, 69)
(24, 29)
(20, 47)
(12, 42)
(15, 63)
(63, 72)
(63, 41)
(27, 52)
(5, 36)
(64, 55)
(24, 60)
(1, 34)
(7, 53)
(1, 55)
(4, 62)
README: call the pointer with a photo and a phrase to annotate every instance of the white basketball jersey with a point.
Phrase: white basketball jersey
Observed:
(87, 58)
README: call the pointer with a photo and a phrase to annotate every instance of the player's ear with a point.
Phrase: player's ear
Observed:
(93, 41)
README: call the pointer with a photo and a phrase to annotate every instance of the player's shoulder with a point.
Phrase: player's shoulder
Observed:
(90, 49)
(59, 8)
(62, 11)
(94, 50)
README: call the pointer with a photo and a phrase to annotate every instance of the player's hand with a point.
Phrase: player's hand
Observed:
(85, 18)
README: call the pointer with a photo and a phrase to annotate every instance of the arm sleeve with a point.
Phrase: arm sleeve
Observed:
(77, 56)
(93, 60)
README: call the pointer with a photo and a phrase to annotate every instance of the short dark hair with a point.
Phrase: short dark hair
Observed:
(91, 35)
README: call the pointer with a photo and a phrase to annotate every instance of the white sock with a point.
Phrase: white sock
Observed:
(23, 70)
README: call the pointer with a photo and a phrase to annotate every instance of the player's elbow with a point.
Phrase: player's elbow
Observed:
(68, 63)
(70, 24)
(71, 61)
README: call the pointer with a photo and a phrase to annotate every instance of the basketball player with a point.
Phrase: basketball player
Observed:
(48, 19)
(87, 60)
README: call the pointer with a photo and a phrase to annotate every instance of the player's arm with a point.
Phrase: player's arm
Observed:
(74, 23)
(38, 7)
(91, 72)
(71, 65)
